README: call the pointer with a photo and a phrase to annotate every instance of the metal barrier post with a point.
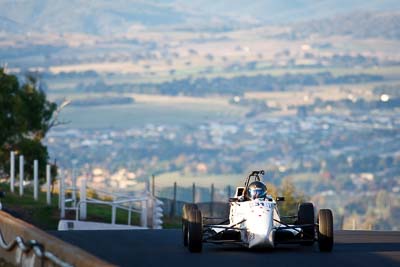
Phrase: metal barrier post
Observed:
(73, 187)
(194, 193)
(113, 212)
(153, 185)
(35, 179)
(21, 175)
(62, 194)
(48, 183)
(129, 213)
(12, 171)
(212, 200)
(82, 208)
(173, 204)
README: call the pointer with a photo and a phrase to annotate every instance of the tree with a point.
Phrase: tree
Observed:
(25, 118)
(292, 198)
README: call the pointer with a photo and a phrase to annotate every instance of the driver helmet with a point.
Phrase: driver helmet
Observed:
(257, 190)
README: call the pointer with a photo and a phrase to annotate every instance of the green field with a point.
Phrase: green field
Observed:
(140, 114)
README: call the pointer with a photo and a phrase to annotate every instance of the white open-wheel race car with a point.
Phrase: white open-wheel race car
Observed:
(255, 222)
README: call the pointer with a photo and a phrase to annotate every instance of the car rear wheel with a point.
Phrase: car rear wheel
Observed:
(185, 221)
(195, 231)
(306, 215)
(325, 230)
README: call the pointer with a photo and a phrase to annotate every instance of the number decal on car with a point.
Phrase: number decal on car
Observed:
(262, 204)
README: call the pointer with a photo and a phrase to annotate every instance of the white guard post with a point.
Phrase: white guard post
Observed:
(35, 179)
(21, 175)
(48, 184)
(12, 171)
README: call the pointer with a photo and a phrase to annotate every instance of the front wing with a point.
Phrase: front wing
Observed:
(231, 234)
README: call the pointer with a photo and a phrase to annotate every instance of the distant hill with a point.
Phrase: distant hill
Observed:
(358, 25)
(92, 17)
(286, 11)
(107, 17)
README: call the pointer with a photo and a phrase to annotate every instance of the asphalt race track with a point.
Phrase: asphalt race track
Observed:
(164, 248)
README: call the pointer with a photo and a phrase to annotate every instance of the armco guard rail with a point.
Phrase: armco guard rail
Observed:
(25, 245)
(37, 248)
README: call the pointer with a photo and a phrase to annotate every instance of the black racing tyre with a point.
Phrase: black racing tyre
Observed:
(305, 215)
(186, 209)
(185, 217)
(195, 231)
(325, 230)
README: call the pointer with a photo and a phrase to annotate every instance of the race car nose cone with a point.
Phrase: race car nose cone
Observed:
(260, 227)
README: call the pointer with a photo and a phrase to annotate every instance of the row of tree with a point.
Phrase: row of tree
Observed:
(241, 84)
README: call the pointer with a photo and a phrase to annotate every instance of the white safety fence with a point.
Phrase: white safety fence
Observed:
(147, 206)
(22, 181)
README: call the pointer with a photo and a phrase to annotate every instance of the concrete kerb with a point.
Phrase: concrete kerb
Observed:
(12, 227)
